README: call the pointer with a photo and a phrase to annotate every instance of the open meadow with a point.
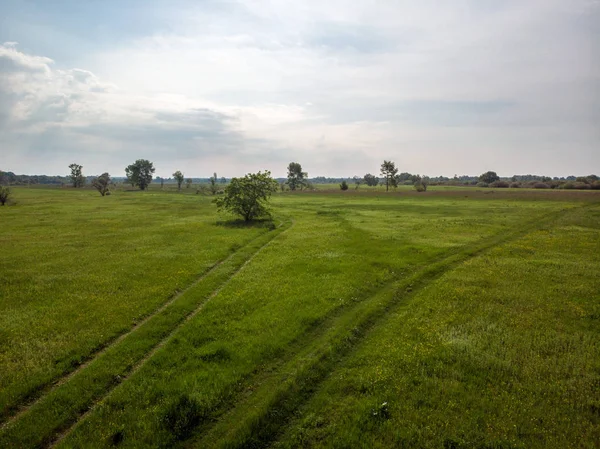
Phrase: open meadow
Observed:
(453, 318)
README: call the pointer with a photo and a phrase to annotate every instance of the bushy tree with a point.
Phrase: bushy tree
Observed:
(101, 183)
(296, 177)
(179, 178)
(248, 196)
(371, 180)
(489, 177)
(188, 182)
(4, 194)
(140, 173)
(344, 185)
(388, 171)
(420, 184)
(77, 178)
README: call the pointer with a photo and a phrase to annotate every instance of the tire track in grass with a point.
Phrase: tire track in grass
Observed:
(160, 345)
(52, 415)
(257, 419)
(13, 412)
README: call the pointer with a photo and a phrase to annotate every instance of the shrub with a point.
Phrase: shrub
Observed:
(344, 185)
(420, 184)
(553, 184)
(576, 185)
(541, 185)
(515, 185)
(482, 184)
(4, 194)
(500, 184)
(595, 185)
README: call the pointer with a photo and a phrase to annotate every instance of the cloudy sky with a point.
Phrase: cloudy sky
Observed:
(440, 87)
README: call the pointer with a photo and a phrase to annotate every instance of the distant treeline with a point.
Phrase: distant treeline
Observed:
(535, 181)
(9, 178)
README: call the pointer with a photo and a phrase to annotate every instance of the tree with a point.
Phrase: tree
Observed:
(140, 173)
(344, 185)
(77, 178)
(489, 177)
(388, 171)
(357, 182)
(101, 183)
(223, 180)
(179, 178)
(213, 184)
(4, 194)
(248, 196)
(188, 182)
(296, 177)
(371, 180)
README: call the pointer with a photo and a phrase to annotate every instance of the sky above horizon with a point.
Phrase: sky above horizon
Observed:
(439, 87)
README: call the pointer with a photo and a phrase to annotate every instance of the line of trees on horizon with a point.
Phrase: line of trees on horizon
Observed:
(297, 179)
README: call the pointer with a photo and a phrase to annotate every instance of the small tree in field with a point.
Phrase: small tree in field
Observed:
(140, 173)
(344, 185)
(179, 178)
(248, 196)
(213, 184)
(4, 194)
(296, 177)
(388, 171)
(77, 178)
(188, 182)
(101, 183)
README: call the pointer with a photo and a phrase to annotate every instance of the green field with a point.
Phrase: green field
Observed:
(454, 318)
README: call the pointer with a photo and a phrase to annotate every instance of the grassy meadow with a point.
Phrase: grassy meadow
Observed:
(453, 318)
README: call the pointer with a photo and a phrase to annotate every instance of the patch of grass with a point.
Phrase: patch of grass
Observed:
(182, 416)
